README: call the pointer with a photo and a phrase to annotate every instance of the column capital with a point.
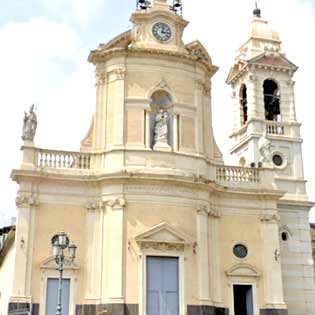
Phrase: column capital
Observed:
(270, 218)
(115, 203)
(95, 205)
(202, 210)
(23, 201)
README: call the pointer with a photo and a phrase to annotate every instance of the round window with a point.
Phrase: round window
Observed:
(277, 160)
(240, 251)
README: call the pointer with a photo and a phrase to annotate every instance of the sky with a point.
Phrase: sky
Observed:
(43, 60)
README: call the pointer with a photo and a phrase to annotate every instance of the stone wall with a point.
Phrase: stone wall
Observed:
(313, 242)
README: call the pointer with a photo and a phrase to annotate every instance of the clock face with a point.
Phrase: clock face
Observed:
(161, 31)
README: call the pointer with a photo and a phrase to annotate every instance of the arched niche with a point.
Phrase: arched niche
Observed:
(272, 100)
(161, 118)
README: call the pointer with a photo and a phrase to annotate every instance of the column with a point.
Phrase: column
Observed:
(94, 250)
(101, 106)
(199, 87)
(214, 250)
(116, 242)
(24, 244)
(118, 79)
(272, 262)
(203, 255)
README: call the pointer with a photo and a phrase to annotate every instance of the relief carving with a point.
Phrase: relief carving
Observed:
(26, 201)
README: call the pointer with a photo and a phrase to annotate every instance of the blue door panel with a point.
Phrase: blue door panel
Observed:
(162, 286)
(52, 296)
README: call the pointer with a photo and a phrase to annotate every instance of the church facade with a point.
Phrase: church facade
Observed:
(162, 225)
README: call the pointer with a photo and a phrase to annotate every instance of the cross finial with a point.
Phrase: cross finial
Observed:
(257, 11)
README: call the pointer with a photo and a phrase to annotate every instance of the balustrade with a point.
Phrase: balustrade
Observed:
(63, 159)
(233, 174)
(275, 128)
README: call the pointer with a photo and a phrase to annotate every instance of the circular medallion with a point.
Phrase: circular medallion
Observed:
(161, 31)
(277, 160)
(240, 251)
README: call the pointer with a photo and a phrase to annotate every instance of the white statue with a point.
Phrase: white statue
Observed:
(264, 147)
(160, 128)
(29, 125)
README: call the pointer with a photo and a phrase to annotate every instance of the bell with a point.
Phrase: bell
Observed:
(177, 3)
(141, 1)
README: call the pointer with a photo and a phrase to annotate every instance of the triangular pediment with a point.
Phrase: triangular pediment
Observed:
(163, 233)
(273, 60)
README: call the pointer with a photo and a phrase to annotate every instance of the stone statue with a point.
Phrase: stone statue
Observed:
(160, 128)
(264, 147)
(29, 125)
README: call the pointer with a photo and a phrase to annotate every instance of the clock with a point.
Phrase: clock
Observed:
(161, 31)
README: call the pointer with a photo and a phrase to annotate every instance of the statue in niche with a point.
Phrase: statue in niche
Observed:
(29, 125)
(264, 147)
(161, 128)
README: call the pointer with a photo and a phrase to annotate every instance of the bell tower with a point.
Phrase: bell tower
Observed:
(265, 128)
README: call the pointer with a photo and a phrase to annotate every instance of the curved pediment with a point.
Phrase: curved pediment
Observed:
(196, 49)
(243, 270)
(121, 41)
(163, 236)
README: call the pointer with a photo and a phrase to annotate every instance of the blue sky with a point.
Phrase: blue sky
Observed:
(45, 45)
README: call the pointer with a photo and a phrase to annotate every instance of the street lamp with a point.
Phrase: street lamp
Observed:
(59, 243)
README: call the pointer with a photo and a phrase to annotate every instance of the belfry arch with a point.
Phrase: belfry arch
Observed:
(271, 100)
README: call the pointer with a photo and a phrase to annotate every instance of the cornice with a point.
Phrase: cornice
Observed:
(103, 55)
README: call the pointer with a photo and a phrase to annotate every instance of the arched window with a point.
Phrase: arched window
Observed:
(243, 103)
(161, 119)
(272, 100)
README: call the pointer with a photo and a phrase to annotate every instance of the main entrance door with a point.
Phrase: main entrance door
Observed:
(243, 300)
(162, 286)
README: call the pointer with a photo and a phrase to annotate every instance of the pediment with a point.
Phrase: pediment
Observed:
(120, 41)
(273, 60)
(243, 270)
(163, 234)
(197, 50)
(50, 263)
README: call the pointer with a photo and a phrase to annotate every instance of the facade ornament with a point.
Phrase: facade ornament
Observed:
(101, 78)
(120, 73)
(117, 203)
(29, 125)
(203, 210)
(270, 218)
(26, 201)
(277, 254)
(264, 147)
(94, 205)
(215, 214)
(161, 128)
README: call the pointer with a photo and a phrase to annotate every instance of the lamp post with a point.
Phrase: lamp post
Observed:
(60, 242)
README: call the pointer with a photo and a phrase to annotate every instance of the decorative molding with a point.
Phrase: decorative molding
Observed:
(49, 263)
(26, 201)
(117, 203)
(95, 205)
(243, 270)
(101, 78)
(270, 218)
(163, 237)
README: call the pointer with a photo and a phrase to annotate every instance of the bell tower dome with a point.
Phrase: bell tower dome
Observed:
(262, 86)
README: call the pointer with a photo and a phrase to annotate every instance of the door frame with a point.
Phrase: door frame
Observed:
(143, 278)
(254, 292)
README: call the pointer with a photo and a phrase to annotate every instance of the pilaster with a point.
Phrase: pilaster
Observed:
(24, 244)
(272, 261)
(203, 254)
(116, 247)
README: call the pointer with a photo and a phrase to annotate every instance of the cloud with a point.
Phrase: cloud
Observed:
(43, 63)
